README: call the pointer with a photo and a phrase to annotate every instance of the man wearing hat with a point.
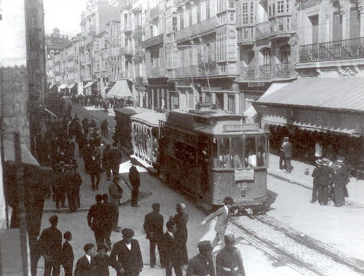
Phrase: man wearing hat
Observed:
(223, 216)
(153, 227)
(181, 219)
(115, 194)
(173, 257)
(340, 179)
(134, 179)
(202, 264)
(50, 243)
(229, 261)
(322, 178)
(126, 256)
(315, 175)
(95, 219)
(287, 154)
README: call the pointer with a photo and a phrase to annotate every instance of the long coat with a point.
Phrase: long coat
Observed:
(230, 259)
(50, 242)
(171, 250)
(153, 226)
(130, 260)
(134, 177)
(222, 220)
(200, 266)
(115, 193)
(339, 180)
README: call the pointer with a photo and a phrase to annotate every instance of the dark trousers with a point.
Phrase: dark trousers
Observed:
(108, 172)
(153, 259)
(134, 196)
(52, 266)
(107, 234)
(60, 198)
(72, 201)
(314, 193)
(99, 235)
(288, 166)
(97, 177)
(115, 169)
(68, 267)
(181, 237)
(177, 268)
(322, 194)
(281, 159)
(116, 216)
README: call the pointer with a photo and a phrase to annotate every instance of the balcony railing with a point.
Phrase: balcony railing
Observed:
(197, 29)
(262, 29)
(127, 27)
(334, 50)
(201, 71)
(276, 26)
(268, 72)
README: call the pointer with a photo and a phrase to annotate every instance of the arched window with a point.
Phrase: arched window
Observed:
(337, 22)
(354, 20)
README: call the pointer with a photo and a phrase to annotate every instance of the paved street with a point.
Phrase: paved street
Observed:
(336, 227)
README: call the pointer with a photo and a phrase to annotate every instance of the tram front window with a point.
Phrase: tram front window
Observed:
(227, 153)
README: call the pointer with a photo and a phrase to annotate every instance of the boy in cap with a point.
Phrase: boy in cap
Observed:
(85, 266)
(181, 219)
(202, 264)
(67, 254)
(173, 257)
(126, 256)
(223, 216)
(115, 194)
(51, 247)
(101, 261)
(229, 261)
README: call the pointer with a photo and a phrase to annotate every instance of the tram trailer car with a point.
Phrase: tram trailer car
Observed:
(123, 130)
(210, 154)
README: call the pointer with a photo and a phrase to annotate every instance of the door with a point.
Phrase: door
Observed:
(354, 23)
(314, 24)
(337, 26)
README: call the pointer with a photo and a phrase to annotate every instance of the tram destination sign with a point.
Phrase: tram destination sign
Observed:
(240, 127)
(244, 175)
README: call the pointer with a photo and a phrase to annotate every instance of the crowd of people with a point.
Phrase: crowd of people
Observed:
(126, 256)
(99, 102)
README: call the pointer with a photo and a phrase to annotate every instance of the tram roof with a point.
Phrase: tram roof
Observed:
(131, 110)
(148, 118)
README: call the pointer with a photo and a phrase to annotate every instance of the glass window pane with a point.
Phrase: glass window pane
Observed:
(235, 157)
(250, 152)
(261, 153)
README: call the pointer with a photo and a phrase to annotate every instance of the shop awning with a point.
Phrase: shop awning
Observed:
(9, 153)
(63, 86)
(120, 90)
(251, 112)
(89, 84)
(103, 92)
(71, 86)
(342, 94)
(53, 85)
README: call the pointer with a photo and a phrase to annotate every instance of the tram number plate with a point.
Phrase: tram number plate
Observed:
(244, 175)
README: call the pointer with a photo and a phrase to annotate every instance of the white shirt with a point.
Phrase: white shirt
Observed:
(128, 245)
(226, 208)
(171, 234)
(88, 258)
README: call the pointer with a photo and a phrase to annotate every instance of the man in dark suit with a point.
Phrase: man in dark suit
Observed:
(108, 220)
(67, 254)
(153, 227)
(51, 248)
(181, 219)
(202, 264)
(172, 251)
(134, 179)
(85, 266)
(287, 153)
(126, 256)
(95, 218)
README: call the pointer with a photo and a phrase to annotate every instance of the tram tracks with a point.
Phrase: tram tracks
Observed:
(301, 253)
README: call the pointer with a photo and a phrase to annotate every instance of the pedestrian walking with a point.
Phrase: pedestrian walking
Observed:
(173, 258)
(153, 227)
(106, 159)
(281, 157)
(115, 159)
(67, 254)
(315, 175)
(134, 178)
(101, 261)
(110, 213)
(287, 154)
(104, 125)
(126, 256)
(95, 219)
(85, 265)
(223, 216)
(229, 261)
(75, 181)
(115, 194)
(340, 180)
(322, 178)
(51, 248)
(181, 219)
(202, 264)
(95, 170)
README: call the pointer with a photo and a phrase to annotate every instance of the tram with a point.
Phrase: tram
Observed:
(205, 153)
(211, 154)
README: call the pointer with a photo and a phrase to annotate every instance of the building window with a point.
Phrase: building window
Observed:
(190, 16)
(181, 25)
(174, 24)
(208, 9)
(199, 13)
(245, 13)
(231, 4)
(285, 54)
(280, 7)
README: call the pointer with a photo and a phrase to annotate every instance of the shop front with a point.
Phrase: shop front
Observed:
(321, 116)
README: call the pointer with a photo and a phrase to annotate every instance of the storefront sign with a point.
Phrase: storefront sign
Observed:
(244, 175)
(241, 127)
(256, 84)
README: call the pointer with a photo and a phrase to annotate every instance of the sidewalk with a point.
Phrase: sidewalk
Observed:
(298, 176)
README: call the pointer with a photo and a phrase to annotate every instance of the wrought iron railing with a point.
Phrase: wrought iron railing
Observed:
(284, 71)
(268, 72)
(197, 29)
(265, 72)
(334, 50)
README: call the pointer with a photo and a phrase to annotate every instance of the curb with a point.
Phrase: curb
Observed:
(302, 184)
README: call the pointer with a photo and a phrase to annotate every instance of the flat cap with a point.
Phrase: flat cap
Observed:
(127, 232)
(53, 219)
(228, 200)
(182, 205)
(204, 246)
(230, 239)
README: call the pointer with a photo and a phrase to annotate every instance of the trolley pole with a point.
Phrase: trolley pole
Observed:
(21, 206)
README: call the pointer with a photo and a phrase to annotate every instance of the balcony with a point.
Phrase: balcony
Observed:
(268, 72)
(153, 41)
(246, 35)
(201, 71)
(332, 51)
(277, 27)
(154, 12)
(158, 72)
(197, 29)
(128, 27)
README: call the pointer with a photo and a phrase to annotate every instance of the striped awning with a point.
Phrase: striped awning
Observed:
(89, 84)
(63, 86)
(71, 86)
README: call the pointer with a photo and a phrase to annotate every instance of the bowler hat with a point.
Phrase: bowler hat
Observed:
(286, 139)
(127, 232)
(182, 205)
(230, 239)
(204, 246)
(228, 200)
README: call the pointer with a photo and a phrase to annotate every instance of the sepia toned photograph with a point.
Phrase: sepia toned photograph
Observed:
(181, 137)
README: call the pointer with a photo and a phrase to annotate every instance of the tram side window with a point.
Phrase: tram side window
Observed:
(250, 152)
(235, 157)
(262, 158)
(227, 155)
